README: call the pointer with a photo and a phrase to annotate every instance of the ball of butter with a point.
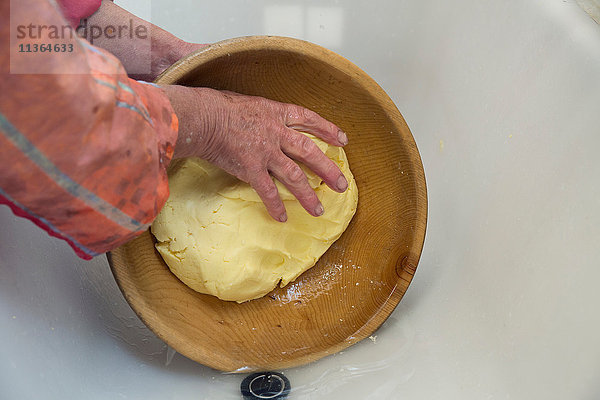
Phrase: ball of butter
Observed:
(216, 236)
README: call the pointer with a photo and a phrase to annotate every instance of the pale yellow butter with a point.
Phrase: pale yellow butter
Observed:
(216, 236)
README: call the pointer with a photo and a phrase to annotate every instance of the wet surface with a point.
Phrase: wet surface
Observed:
(502, 101)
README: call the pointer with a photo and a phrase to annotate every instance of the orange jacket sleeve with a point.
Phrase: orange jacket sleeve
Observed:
(84, 149)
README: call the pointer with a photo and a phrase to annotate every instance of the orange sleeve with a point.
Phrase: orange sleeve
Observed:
(84, 149)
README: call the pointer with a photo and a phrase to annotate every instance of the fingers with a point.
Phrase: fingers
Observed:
(266, 189)
(301, 148)
(292, 176)
(300, 118)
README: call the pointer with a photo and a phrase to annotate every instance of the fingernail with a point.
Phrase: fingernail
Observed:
(342, 138)
(319, 210)
(283, 217)
(342, 183)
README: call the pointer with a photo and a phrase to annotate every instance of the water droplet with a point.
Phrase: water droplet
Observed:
(170, 354)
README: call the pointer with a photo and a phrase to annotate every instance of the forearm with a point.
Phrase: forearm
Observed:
(144, 49)
(86, 147)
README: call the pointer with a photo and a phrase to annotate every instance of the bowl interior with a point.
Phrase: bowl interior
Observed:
(358, 282)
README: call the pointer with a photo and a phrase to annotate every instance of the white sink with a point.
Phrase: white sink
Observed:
(503, 99)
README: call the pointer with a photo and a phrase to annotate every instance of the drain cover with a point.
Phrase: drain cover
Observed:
(265, 386)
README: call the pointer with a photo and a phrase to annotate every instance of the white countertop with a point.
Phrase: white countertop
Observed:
(503, 99)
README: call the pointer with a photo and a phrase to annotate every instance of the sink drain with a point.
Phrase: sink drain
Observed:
(265, 386)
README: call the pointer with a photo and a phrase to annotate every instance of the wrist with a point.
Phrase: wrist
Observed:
(183, 48)
(198, 116)
(168, 49)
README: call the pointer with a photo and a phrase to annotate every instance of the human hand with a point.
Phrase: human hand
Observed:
(250, 137)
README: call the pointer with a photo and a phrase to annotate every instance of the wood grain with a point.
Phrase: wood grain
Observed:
(358, 282)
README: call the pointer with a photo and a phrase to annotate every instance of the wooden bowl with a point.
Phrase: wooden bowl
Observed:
(358, 282)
